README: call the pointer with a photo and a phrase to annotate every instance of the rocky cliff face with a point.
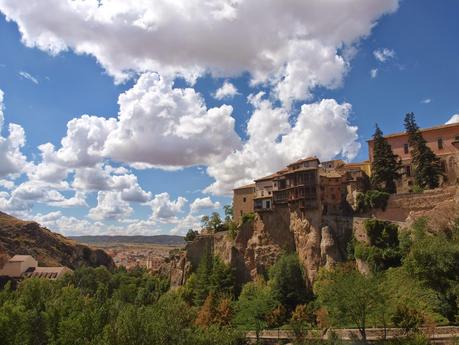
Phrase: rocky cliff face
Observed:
(49, 248)
(319, 241)
(259, 244)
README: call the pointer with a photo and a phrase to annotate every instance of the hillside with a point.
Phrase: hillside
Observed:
(158, 239)
(49, 248)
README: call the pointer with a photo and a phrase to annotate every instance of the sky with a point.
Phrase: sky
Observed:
(138, 117)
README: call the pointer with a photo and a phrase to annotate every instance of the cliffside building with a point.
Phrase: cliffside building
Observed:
(444, 142)
(304, 186)
(243, 201)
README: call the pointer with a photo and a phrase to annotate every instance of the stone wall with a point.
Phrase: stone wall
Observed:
(400, 206)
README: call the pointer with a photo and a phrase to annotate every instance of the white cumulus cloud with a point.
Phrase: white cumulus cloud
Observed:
(169, 127)
(200, 204)
(274, 142)
(110, 206)
(453, 119)
(227, 90)
(383, 55)
(297, 44)
(12, 159)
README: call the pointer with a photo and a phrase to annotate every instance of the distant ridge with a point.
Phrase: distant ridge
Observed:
(157, 239)
(49, 248)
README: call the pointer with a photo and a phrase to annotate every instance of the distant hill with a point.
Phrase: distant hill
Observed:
(49, 248)
(158, 239)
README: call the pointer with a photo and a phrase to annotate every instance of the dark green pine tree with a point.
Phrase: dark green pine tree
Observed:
(427, 166)
(385, 168)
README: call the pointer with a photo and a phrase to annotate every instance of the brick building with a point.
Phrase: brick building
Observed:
(444, 142)
(303, 186)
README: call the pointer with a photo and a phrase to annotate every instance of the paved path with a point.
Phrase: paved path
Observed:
(437, 334)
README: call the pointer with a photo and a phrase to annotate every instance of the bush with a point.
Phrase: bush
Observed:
(372, 199)
(375, 199)
(383, 250)
(248, 217)
(417, 189)
(407, 318)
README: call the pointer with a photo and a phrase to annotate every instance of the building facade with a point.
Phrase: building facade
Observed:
(243, 201)
(297, 186)
(264, 193)
(442, 140)
(306, 185)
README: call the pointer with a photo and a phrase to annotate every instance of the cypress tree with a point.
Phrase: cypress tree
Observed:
(385, 166)
(427, 167)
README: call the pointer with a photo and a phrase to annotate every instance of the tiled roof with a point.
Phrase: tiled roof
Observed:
(399, 134)
(308, 159)
(252, 185)
(269, 177)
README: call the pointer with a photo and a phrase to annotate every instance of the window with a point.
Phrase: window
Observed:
(406, 148)
(456, 138)
(408, 170)
(244, 199)
(440, 143)
(443, 165)
(241, 213)
(268, 204)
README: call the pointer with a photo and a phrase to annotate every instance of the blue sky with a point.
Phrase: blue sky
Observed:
(378, 62)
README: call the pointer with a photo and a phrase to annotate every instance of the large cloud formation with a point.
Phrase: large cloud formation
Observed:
(274, 142)
(293, 44)
(289, 46)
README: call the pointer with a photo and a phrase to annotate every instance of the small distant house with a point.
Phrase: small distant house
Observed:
(25, 266)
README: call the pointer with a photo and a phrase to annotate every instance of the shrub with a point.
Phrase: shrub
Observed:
(375, 199)
(248, 217)
(372, 199)
(407, 318)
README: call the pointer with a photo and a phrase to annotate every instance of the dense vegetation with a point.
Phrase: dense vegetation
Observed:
(412, 280)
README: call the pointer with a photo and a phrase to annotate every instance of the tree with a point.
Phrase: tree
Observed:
(253, 307)
(215, 222)
(385, 168)
(427, 167)
(228, 213)
(349, 297)
(287, 282)
(190, 235)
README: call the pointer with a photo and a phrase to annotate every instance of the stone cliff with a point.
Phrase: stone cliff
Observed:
(320, 241)
(258, 244)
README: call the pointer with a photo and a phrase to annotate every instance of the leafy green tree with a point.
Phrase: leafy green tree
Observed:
(287, 282)
(253, 307)
(434, 261)
(190, 235)
(349, 297)
(383, 250)
(427, 167)
(385, 167)
(215, 222)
